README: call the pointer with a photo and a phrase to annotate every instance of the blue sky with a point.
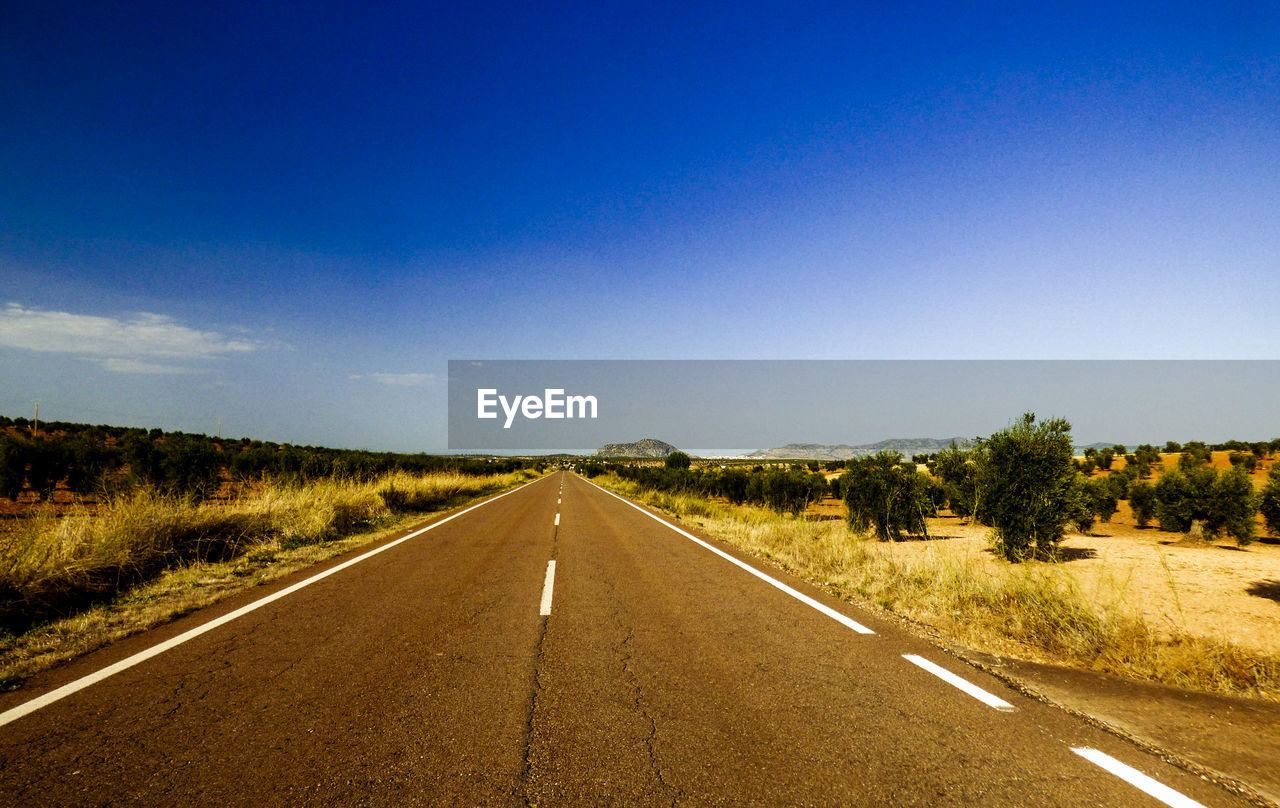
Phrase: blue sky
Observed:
(290, 218)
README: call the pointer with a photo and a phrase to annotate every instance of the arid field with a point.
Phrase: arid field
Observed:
(1213, 589)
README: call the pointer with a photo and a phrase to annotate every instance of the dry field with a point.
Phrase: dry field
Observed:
(1214, 590)
(1209, 589)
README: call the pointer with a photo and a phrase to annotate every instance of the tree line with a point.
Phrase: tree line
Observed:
(786, 490)
(95, 459)
(1023, 482)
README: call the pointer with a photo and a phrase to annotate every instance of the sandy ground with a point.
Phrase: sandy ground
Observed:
(1207, 588)
(1213, 589)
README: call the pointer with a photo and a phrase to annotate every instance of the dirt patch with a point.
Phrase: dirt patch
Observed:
(1210, 589)
(1206, 588)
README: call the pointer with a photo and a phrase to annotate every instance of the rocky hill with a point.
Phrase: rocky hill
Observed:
(817, 451)
(645, 447)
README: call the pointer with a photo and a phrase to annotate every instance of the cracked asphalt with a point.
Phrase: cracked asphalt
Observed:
(664, 676)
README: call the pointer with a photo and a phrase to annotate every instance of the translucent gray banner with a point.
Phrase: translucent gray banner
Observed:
(728, 406)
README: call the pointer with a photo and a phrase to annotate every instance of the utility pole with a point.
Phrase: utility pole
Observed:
(219, 429)
(35, 425)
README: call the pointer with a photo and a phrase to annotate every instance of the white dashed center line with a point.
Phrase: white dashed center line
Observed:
(955, 681)
(1136, 778)
(547, 586)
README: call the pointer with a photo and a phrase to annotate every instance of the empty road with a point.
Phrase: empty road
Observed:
(557, 646)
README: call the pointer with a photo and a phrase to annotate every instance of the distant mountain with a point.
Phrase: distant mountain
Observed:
(645, 447)
(817, 451)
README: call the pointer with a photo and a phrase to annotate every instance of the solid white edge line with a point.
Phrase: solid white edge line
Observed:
(844, 620)
(27, 707)
(548, 585)
(1136, 778)
(955, 681)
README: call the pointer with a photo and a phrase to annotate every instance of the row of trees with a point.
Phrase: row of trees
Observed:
(1141, 459)
(788, 489)
(784, 490)
(95, 459)
(1022, 481)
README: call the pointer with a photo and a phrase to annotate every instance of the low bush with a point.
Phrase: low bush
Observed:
(886, 496)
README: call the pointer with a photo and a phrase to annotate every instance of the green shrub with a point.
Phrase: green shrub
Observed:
(1100, 498)
(957, 469)
(1194, 455)
(1142, 501)
(1145, 456)
(678, 460)
(1232, 505)
(13, 466)
(1269, 501)
(1249, 461)
(1105, 458)
(1182, 497)
(49, 463)
(1027, 486)
(1080, 503)
(1117, 482)
(1221, 502)
(883, 495)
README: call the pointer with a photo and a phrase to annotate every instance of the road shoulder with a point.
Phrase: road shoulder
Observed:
(1232, 740)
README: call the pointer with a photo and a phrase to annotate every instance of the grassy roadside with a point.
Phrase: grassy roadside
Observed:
(1029, 611)
(145, 559)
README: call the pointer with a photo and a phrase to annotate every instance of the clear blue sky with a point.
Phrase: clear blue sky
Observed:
(290, 216)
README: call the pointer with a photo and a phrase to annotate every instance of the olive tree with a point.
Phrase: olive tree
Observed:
(13, 466)
(1223, 502)
(1182, 497)
(1269, 502)
(1142, 501)
(883, 495)
(1029, 492)
(1232, 505)
(677, 460)
(957, 469)
(1100, 498)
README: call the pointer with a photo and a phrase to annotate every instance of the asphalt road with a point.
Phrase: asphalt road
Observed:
(458, 667)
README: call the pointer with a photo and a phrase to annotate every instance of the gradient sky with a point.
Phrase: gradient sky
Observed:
(289, 217)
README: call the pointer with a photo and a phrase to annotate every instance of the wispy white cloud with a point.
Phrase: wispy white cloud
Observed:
(117, 364)
(118, 344)
(397, 379)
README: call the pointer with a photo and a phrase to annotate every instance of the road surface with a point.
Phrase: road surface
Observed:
(553, 646)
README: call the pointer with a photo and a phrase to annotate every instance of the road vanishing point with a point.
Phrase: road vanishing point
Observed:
(555, 645)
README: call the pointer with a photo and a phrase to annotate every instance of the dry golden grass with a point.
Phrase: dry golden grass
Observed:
(1032, 611)
(144, 559)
